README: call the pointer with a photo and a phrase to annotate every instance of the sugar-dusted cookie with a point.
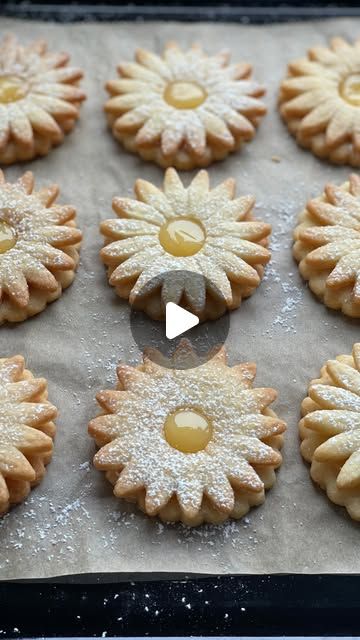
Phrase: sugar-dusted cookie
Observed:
(191, 445)
(39, 99)
(330, 430)
(320, 101)
(327, 246)
(38, 247)
(184, 109)
(26, 431)
(194, 229)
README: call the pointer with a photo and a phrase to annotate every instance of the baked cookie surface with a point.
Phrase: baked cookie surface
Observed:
(195, 445)
(327, 246)
(183, 109)
(320, 101)
(38, 247)
(26, 431)
(39, 99)
(330, 430)
(198, 230)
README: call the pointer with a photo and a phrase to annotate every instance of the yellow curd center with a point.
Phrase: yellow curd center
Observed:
(182, 237)
(7, 237)
(187, 430)
(184, 95)
(350, 89)
(11, 89)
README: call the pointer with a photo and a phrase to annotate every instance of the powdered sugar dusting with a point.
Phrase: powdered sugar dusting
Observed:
(47, 99)
(31, 271)
(185, 137)
(134, 430)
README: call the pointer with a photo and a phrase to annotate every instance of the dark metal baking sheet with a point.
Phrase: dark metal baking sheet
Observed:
(231, 606)
(255, 12)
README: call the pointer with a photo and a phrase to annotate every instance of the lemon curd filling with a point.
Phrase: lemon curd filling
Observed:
(184, 95)
(182, 237)
(350, 89)
(187, 430)
(7, 237)
(11, 89)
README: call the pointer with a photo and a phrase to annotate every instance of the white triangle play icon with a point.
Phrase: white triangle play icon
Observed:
(178, 320)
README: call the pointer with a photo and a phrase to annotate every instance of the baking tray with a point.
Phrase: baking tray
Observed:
(293, 605)
(244, 12)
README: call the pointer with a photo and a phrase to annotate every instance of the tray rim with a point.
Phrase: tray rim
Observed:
(300, 605)
(235, 12)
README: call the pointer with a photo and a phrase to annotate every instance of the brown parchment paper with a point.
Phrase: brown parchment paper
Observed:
(71, 523)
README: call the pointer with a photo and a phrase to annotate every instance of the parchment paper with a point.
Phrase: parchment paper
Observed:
(72, 523)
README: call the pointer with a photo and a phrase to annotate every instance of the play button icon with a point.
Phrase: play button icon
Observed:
(162, 338)
(178, 320)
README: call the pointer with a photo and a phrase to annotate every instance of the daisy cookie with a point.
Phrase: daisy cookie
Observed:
(184, 109)
(196, 445)
(327, 246)
(26, 431)
(330, 430)
(39, 99)
(207, 232)
(320, 101)
(38, 247)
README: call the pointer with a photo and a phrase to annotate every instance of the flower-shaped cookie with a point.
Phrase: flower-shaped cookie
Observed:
(327, 246)
(38, 247)
(26, 431)
(39, 99)
(330, 430)
(189, 445)
(184, 109)
(320, 101)
(194, 229)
